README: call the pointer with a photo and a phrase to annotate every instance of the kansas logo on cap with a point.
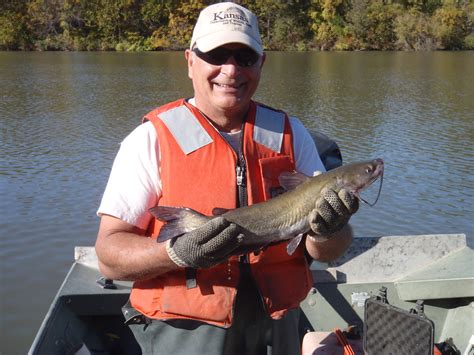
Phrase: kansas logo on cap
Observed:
(231, 15)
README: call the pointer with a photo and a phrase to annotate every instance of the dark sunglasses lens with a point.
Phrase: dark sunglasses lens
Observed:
(219, 56)
(244, 57)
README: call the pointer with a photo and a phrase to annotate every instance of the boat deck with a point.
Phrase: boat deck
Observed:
(439, 269)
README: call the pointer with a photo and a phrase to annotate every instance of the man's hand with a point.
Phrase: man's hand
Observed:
(332, 212)
(205, 246)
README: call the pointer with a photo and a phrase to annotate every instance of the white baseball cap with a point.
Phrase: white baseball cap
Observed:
(224, 23)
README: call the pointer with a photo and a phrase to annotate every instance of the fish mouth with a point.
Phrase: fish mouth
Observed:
(379, 167)
(375, 177)
(378, 173)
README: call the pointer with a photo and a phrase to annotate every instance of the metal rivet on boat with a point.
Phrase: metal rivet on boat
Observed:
(312, 296)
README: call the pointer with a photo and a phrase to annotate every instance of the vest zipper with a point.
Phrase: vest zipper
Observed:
(241, 170)
(241, 174)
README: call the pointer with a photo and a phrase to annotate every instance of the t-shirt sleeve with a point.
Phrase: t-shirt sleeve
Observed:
(306, 154)
(134, 184)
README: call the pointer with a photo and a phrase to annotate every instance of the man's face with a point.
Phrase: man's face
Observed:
(223, 89)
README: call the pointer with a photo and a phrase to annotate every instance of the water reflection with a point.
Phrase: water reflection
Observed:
(63, 115)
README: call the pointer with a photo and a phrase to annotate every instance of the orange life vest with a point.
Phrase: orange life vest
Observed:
(198, 170)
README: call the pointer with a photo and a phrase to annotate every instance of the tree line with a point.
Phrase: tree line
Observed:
(147, 25)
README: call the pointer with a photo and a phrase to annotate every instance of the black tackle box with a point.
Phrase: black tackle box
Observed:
(389, 330)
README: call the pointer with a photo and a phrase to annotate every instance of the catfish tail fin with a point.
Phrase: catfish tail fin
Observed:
(178, 221)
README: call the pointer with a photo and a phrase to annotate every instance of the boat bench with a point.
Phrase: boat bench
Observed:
(449, 277)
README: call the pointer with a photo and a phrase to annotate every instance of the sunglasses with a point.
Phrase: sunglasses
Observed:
(244, 57)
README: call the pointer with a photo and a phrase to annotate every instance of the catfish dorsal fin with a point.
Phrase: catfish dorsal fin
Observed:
(290, 180)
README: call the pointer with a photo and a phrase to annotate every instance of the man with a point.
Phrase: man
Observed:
(217, 149)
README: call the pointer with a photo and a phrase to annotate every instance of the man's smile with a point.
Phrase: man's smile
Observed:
(229, 86)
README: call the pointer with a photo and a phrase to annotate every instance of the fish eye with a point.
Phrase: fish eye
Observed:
(368, 170)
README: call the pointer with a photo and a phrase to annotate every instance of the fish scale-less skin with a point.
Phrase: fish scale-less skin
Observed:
(285, 210)
(285, 216)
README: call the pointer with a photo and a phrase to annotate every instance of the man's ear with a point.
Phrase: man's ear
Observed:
(190, 59)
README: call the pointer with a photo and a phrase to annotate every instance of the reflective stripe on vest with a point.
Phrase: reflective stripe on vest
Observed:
(269, 126)
(186, 129)
(190, 135)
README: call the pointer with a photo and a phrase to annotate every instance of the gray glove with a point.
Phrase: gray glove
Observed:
(205, 246)
(332, 211)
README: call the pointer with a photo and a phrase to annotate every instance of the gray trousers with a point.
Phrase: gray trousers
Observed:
(252, 332)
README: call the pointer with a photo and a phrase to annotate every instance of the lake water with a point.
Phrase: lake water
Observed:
(63, 115)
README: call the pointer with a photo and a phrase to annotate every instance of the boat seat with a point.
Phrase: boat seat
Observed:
(448, 277)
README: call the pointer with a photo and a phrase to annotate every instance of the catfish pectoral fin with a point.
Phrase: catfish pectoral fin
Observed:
(293, 244)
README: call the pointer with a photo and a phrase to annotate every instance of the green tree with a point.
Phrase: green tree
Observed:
(269, 12)
(177, 34)
(451, 26)
(328, 22)
(414, 31)
(155, 14)
(373, 24)
(357, 22)
(425, 6)
(44, 23)
(13, 33)
(284, 24)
